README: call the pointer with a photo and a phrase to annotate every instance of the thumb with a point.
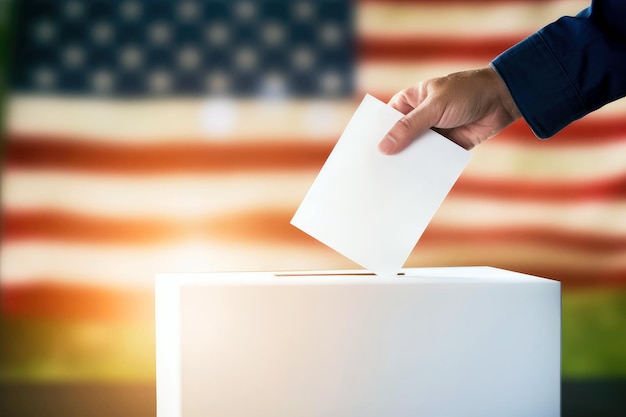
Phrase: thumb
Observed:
(406, 130)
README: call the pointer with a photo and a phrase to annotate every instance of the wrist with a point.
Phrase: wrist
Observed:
(504, 95)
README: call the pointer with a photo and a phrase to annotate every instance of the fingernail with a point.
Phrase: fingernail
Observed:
(387, 145)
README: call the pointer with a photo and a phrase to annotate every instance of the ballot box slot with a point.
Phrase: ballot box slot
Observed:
(329, 274)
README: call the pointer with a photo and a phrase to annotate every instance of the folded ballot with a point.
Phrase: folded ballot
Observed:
(373, 208)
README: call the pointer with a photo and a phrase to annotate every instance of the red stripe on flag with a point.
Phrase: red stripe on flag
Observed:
(56, 153)
(269, 226)
(69, 227)
(563, 239)
(50, 300)
(414, 49)
(35, 152)
(605, 189)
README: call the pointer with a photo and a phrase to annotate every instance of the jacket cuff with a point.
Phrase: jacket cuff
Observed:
(539, 85)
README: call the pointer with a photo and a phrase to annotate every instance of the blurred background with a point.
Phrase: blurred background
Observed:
(153, 136)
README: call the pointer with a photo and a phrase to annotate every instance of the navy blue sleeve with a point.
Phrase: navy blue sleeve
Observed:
(569, 68)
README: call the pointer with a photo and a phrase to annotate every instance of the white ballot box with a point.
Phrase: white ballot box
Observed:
(446, 342)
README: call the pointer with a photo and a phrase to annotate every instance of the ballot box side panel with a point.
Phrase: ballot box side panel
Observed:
(370, 350)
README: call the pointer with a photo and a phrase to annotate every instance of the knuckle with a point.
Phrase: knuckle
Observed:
(405, 124)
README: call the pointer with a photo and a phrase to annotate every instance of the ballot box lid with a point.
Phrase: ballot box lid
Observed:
(427, 275)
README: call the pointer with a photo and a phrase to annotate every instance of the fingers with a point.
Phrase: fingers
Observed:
(405, 131)
(404, 101)
(467, 107)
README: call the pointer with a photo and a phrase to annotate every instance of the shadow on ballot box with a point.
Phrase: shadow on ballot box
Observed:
(597, 398)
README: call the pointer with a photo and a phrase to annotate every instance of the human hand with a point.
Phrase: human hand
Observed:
(467, 107)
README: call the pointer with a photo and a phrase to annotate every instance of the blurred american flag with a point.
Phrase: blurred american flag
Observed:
(152, 136)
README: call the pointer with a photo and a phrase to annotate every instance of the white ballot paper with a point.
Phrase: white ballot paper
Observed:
(373, 208)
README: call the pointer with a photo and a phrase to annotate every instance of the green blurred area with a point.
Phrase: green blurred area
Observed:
(594, 333)
(54, 350)
(594, 344)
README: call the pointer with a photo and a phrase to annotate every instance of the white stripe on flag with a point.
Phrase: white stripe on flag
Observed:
(162, 196)
(179, 120)
(380, 19)
(135, 266)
